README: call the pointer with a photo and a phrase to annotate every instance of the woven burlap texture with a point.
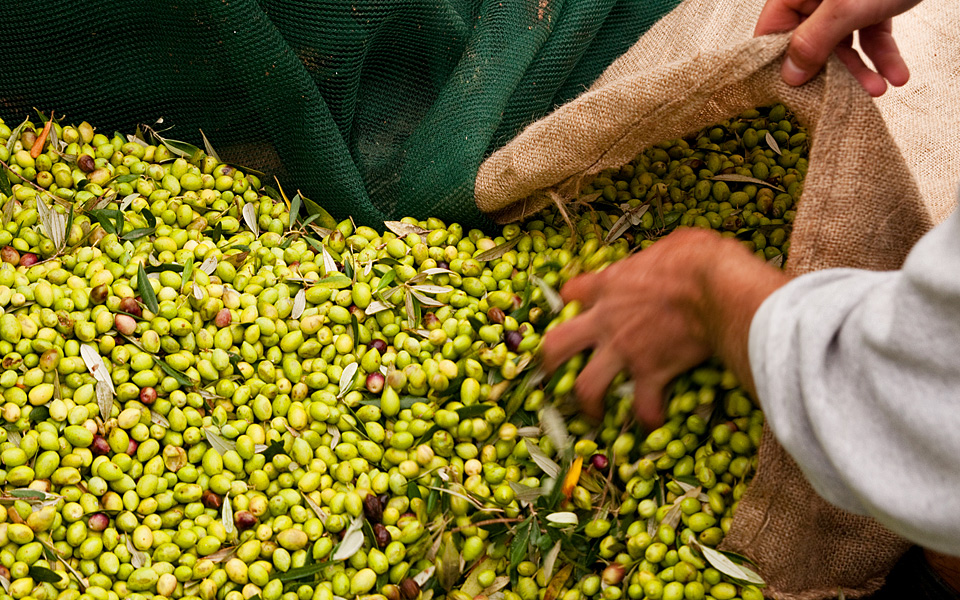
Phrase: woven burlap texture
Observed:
(860, 208)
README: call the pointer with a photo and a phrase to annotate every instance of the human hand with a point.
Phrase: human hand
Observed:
(825, 26)
(660, 313)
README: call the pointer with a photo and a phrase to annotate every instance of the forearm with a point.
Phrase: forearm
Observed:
(734, 285)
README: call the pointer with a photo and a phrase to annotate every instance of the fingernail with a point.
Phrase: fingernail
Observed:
(791, 73)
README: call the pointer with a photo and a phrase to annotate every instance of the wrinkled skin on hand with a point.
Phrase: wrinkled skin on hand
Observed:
(659, 313)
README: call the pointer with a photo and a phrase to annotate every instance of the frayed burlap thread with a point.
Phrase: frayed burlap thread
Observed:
(860, 208)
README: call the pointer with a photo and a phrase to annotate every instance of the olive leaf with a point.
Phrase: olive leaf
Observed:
(550, 559)
(158, 419)
(352, 541)
(336, 282)
(209, 147)
(14, 437)
(218, 442)
(222, 554)
(555, 427)
(226, 515)
(54, 224)
(744, 179)
(128, 200)
(546, 464)
(15, 135)
(631, 217)
(181, 378)
(776, 261)
(299, 304)
(424, 576)
(250, 218)
(10, 206)
(564, 518)
(5, 583)
(424, 300)
(556, 584)
(321, 514)
(147, 294)
(672, 518)
(137, 558)
(44, 575)
(377, 306)
(209, 265)
(404, 229)
(294, 210)
(526, 494)
(329, 265)
(721, 562)
(346, 378)
(498, 250)
(554, 301)
(94, 362)
(772, 143)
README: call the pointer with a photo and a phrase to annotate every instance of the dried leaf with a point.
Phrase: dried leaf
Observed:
(448, 571)
(564, 518)
(329, 265)
(334, 436)
(54, 224)
(555, 427)
(219, 443)
(222, 554)
(572, 477)
(719, 561)
(15, 135)
(403, 229)
(546, 464)
(128, 200)
(550, 559)
(8, 208)
(137, 558)
(158, 419)
(209, 147)
(299, 304)
(209, 265)
(352, 541)
(346, 378)
(773, 143)
(321, 514)
(377, 306)
(498, 250)
(557, 583)
(424, 576)
(226, 515)
(250, 218)
(631, 217)
(776, 261)
(424, 300)
(554, 301)
(744, 179)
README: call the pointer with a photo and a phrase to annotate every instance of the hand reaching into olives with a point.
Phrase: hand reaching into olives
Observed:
(825, 26)
(661, 312)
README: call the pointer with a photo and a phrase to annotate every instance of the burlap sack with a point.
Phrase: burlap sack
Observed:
(860, 208)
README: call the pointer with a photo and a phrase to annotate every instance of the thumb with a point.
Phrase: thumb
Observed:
(815, 39)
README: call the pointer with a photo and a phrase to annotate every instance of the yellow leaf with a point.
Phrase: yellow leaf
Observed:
(573, 476)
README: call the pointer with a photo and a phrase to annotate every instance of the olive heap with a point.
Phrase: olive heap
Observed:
(211, 396)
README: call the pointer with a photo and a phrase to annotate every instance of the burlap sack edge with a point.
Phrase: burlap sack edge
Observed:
(538, 172)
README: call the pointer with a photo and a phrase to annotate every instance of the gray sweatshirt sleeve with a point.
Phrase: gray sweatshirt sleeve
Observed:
(858, 373)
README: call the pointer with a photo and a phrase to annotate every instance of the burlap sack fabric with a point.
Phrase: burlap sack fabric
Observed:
(860, 208)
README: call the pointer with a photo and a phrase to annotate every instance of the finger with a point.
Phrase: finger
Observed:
(872, 82)
(593, 381)
(583, 288)
(778, 16)
(648, 402)
(878, 44)
(816, 37)
(565, 340)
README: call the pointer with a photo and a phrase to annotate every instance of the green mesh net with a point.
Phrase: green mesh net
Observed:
(375, 109)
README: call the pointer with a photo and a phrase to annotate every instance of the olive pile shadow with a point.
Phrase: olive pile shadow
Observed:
(222, 396)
